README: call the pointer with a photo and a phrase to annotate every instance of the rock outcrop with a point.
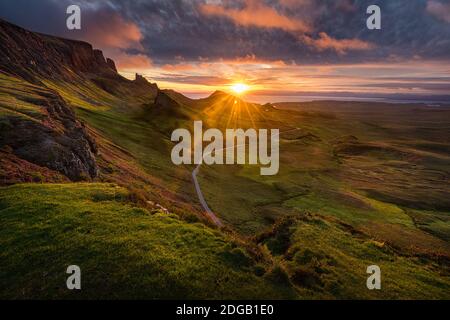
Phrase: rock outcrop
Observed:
(31, 56)
(140, 79)
(48, 134)
(55, 139)
(165, 102)
(111, 64)
(142, 83)
(165, 106)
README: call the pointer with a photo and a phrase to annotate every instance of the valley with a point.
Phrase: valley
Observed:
(86, 167)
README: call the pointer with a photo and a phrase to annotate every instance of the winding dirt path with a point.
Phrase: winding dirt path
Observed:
(201, 198)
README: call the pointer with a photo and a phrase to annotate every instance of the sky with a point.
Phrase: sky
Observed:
(282, 49)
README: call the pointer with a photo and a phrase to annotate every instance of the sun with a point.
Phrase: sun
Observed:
(239, 88)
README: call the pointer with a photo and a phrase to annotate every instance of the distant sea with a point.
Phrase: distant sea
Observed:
(432, 101)
(274, 99)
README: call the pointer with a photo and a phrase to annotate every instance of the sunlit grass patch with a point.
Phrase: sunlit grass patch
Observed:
(122, 250)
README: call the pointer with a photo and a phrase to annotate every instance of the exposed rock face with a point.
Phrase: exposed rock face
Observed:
(137, 90)
(17, 170)
(164, 101)
(165, 105)
(54, 139)
(140, 79)
(57, 141)
(111, 64)
(33, 57)
(28, 55)
(142, 84)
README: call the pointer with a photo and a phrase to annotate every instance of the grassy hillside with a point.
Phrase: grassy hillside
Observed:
(123, 251)
(339, 163)
(359, 184)
(362, 170)
(327, 259)
(128, 252)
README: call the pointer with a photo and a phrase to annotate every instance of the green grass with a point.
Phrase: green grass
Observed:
(326, 261)
(83, 95)
(236, 198)
(18, 99)
(123, 251)
(124, 121)
(357, 210)
(434, 222)
(374, 168)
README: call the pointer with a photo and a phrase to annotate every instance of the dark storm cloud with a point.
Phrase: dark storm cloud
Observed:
(41, 16)
(332, 32)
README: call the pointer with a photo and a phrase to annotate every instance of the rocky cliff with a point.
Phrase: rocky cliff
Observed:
(31, 56)
(39, 131)
(46, 133)
(39, 127)
(35, 57)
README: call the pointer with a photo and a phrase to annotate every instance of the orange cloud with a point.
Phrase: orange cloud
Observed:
(248, 60)
(178, 67)
(252, 59)
(126, 61)
(341, 46)
(112, 31)
(114, 35)
(256, 13)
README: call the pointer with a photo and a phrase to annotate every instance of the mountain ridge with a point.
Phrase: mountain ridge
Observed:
(27, 54)
(35, 57)
(38, 125)
(338, 204)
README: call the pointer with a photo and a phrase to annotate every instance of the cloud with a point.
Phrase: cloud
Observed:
(108, 29)
(201, 80)
(125, 61)
(346, 5)
(341, 46)
(179, 67)
(118, 37)
(256, 13)
(439, 10)
(295, 3)
(269, 30)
